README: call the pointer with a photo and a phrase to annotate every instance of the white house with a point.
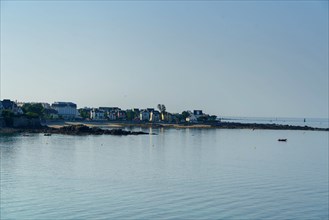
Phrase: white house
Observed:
(121, 115)
(67, 110)
(97, 114)
(154, 116)
(7, 104)
(112, 115)
(191, 118)
(144, 115)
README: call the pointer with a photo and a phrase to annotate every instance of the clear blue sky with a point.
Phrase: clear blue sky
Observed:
(241, 58)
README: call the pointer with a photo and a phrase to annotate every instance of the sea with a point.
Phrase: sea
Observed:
(311, 122)
(174, 174)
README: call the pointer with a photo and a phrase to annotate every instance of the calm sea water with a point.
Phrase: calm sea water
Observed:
(177, 174)
(312, 122)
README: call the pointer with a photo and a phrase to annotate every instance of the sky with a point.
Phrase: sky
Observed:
(237, 58)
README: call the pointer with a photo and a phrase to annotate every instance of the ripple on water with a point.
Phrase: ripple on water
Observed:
(210, 175)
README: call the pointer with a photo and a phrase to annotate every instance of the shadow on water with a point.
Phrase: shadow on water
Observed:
(8, 144)
(8, 138)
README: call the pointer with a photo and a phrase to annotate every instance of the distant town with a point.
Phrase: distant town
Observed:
(31, 115)
(68, 111)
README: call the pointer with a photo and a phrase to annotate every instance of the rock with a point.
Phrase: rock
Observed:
(85, 130)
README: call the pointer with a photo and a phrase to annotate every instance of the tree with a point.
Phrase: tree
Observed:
(84, 113)
(162, 109)
(185, 114)
(212, 118)
(33, 110)
(8, 117)
(106, 115)
(203, 118)
(31, 115)
(130, 115)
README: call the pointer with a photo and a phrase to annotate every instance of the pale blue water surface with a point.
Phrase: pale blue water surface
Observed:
(177, 174)
(311, 122)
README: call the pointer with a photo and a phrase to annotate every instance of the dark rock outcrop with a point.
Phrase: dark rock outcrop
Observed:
(85, 130)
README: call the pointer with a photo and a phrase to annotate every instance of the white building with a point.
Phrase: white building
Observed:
(97, 114)
(67, 110)
(191, 118)
(112, 115)
(154, 116)
(121, 115)
(7, 104)
(144, 115)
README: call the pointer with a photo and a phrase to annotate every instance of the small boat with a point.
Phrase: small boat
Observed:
(47, 134)
(26, 135)
(284, 140)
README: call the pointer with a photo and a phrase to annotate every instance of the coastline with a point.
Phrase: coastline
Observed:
(118, 128)
(124, 124)
(221, 125)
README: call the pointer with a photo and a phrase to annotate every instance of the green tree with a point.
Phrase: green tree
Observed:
(203, 118)
(33, 110)
(162, 109)
(212, 118)
(32, 115)
(130, 115)
(8, 117)
(185, 114)
(84, 113)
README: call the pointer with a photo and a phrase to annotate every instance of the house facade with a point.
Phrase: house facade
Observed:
(67, 110)
(96, 114)
(121, 115)
(154, 116)
(144, 115)
(112, 115)
(7, 104)
(192, 118)
(197, 113)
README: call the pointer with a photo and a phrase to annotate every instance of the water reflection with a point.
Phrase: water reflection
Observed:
(181, 174)
(8, 138)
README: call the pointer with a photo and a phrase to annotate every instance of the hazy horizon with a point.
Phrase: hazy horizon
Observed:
(253, 59)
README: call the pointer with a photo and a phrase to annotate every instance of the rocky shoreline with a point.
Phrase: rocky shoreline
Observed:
(85, 130)
(73, 130)
(233, 125)
(217, 125)
(82, 129)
